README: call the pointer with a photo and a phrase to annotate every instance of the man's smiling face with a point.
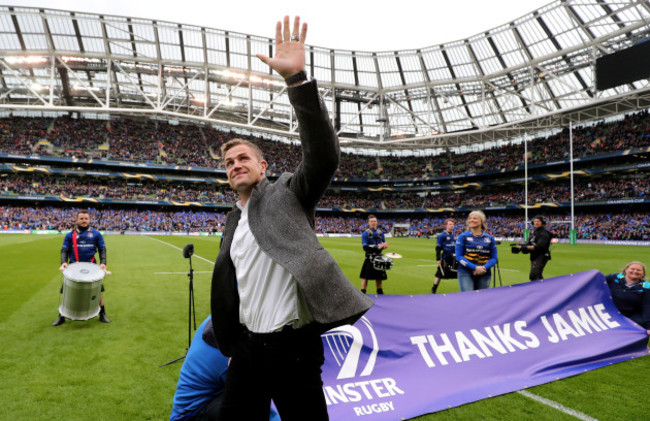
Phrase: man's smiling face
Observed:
(244, 168)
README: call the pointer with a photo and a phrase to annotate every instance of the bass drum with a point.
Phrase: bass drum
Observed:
(82, 286)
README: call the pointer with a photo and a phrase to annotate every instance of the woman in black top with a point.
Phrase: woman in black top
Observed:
(631, 293)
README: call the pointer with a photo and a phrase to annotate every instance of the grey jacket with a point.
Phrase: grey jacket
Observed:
(281, 218)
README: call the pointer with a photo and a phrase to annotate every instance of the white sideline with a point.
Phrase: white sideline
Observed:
(557, 406)
(180, 249)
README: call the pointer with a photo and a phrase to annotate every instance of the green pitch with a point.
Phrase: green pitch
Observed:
(90, 370)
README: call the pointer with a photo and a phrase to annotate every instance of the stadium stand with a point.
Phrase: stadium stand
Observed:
(611, 179)
(187, 145)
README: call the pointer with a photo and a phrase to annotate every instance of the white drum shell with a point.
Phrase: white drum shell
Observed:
(82, 286)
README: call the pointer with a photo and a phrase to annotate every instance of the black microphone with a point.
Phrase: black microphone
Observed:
(188, 250)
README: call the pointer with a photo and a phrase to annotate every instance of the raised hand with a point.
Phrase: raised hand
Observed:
(289, 48)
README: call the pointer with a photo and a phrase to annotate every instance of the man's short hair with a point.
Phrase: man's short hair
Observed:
(370, 217)
(82, 211)
(449, 220)
(239, 141)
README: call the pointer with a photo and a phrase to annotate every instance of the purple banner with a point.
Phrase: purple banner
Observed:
(412, 355)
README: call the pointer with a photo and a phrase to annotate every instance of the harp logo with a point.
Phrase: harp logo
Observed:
(354, 348)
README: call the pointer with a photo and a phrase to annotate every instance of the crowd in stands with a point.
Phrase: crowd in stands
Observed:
(589, 226)
(160, 142)
(105, 188)
(586, 190)
(21, 135)
(62, 219)
(155, 141)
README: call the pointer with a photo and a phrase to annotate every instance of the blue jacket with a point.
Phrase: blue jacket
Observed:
(473, 251)
(202, 378)
(89, 242)
(633, 302)
(370, 240)
(446, 244)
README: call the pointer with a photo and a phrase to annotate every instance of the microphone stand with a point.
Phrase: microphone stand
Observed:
(188, 250)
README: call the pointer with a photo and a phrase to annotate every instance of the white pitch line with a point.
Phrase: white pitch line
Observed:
(579, 415)
(181, 273)
(180, 249)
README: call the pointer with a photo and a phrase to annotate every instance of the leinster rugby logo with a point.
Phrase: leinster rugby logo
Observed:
(354, 348)
(358, 389)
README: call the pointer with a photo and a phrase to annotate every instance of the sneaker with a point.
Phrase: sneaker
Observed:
(103, 318)
(59, 321)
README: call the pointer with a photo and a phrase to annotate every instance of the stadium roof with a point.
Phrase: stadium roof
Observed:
(531, 74)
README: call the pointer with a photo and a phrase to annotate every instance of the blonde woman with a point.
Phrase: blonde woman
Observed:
(631, 293)
(476, 252)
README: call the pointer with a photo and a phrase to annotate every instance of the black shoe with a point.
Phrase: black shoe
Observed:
(103, 318)
(59, 321)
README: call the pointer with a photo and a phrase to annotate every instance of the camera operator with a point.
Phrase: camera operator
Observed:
(538, 247)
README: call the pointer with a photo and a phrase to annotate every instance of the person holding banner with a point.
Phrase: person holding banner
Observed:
(631, 293)
(199, 391)
(476, 253)
(373, 242)
(445, 255)
(80, 245)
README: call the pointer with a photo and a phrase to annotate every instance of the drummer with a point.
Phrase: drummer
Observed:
(373, 243)
(80, 245)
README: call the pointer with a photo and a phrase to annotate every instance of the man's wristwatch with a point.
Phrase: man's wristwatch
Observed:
(298, 77)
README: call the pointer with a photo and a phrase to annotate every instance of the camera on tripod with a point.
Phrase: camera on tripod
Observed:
(517, 248)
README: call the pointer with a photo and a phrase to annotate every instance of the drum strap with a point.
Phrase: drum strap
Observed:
(74, 246)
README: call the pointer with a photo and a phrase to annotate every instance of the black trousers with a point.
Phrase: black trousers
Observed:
(537, 267)
(284, 366)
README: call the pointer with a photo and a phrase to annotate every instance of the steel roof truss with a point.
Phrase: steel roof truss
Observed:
(25, 80)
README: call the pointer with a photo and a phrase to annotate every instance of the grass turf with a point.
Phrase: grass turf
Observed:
(88, 370)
